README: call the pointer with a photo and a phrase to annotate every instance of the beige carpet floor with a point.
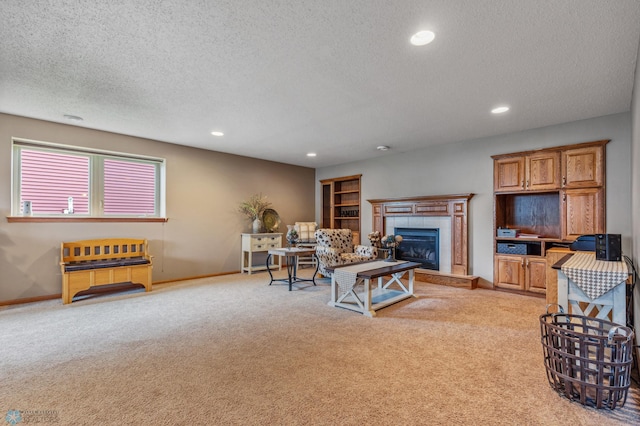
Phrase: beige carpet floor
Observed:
(232, 350)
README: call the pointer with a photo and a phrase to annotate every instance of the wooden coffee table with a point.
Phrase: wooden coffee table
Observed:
(345, 279)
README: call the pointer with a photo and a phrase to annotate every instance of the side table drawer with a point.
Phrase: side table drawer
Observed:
(264, 246)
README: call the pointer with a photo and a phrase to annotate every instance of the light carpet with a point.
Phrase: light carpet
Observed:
(232, 350)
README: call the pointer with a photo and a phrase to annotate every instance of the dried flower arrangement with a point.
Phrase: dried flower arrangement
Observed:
(254, 207)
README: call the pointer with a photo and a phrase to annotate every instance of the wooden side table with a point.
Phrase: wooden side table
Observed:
(258, 243)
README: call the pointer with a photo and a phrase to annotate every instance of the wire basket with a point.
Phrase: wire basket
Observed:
(587, 359)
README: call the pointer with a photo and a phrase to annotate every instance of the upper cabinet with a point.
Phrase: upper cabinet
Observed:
(571, 166)
(535, 172)
(508, 174)
(542, 171)
(583, 167)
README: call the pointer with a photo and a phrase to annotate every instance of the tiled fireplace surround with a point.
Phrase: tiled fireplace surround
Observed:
(448, 213)
(441, 223)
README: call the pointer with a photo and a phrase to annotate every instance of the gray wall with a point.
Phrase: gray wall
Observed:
(467, 167)
(635, 191)
(202, 236)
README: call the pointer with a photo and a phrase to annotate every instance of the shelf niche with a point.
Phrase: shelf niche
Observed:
(537, 214)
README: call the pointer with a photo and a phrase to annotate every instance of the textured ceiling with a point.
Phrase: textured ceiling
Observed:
(336, 77)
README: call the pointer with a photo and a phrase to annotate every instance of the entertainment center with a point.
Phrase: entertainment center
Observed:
(548, 197)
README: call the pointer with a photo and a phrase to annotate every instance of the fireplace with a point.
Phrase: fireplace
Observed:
(420, 245)
(448, 213)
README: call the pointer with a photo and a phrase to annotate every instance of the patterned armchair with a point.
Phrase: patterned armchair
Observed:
(335, 247)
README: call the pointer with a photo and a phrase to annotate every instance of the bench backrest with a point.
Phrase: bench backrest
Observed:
(108, 248)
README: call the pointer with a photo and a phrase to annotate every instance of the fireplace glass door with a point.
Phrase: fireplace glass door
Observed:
(419, 245)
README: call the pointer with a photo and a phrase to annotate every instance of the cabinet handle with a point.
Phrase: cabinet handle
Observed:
(564, 180)
(522, 263)
(522, 183)
(564, 197)
(527, 183)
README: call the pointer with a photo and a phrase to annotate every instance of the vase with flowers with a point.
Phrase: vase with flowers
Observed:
(390, 242)
(254, 208)
(292, 236)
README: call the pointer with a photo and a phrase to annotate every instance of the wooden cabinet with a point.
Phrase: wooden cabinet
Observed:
(582, 212)
(555, 194)
(583, 167)
(522, 273)
(508, 174)
(509, 272)
(542, 171)
(535, 275)
(535, 172)
(341, 204)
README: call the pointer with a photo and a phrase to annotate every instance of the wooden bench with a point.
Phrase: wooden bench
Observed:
(90, 263)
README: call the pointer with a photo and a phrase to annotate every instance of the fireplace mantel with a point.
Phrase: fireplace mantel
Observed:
(453, 206)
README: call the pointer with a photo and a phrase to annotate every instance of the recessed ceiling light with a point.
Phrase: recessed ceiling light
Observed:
(382, 148)
(217, 133)
(422, 37)
(72, 117)
(500, 110)
(311, 154)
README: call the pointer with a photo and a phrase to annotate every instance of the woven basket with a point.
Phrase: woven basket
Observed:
(587, 359)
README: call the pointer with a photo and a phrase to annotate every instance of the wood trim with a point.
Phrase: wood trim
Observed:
(422, 198)
(434, 277)
(107, 288)
(453, 206)
(196, 277)
(553, 148)
(352, 177)
(36, 219)
(30, 299)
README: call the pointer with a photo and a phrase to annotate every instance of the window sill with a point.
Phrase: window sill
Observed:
(33, 219)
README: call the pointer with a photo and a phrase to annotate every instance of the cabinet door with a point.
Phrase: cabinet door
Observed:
(536, 275)
(583, 167)
(509, 272)
(543, 171)
(582, 212)
(508, 174)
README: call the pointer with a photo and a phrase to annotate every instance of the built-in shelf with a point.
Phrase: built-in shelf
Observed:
(341, 204)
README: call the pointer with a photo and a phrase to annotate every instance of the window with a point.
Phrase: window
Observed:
(70, 181)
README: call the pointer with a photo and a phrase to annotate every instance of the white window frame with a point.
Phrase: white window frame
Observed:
(96, 183)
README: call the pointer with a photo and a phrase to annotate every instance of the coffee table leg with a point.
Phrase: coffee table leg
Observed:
(411, 280)
(367, 299)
